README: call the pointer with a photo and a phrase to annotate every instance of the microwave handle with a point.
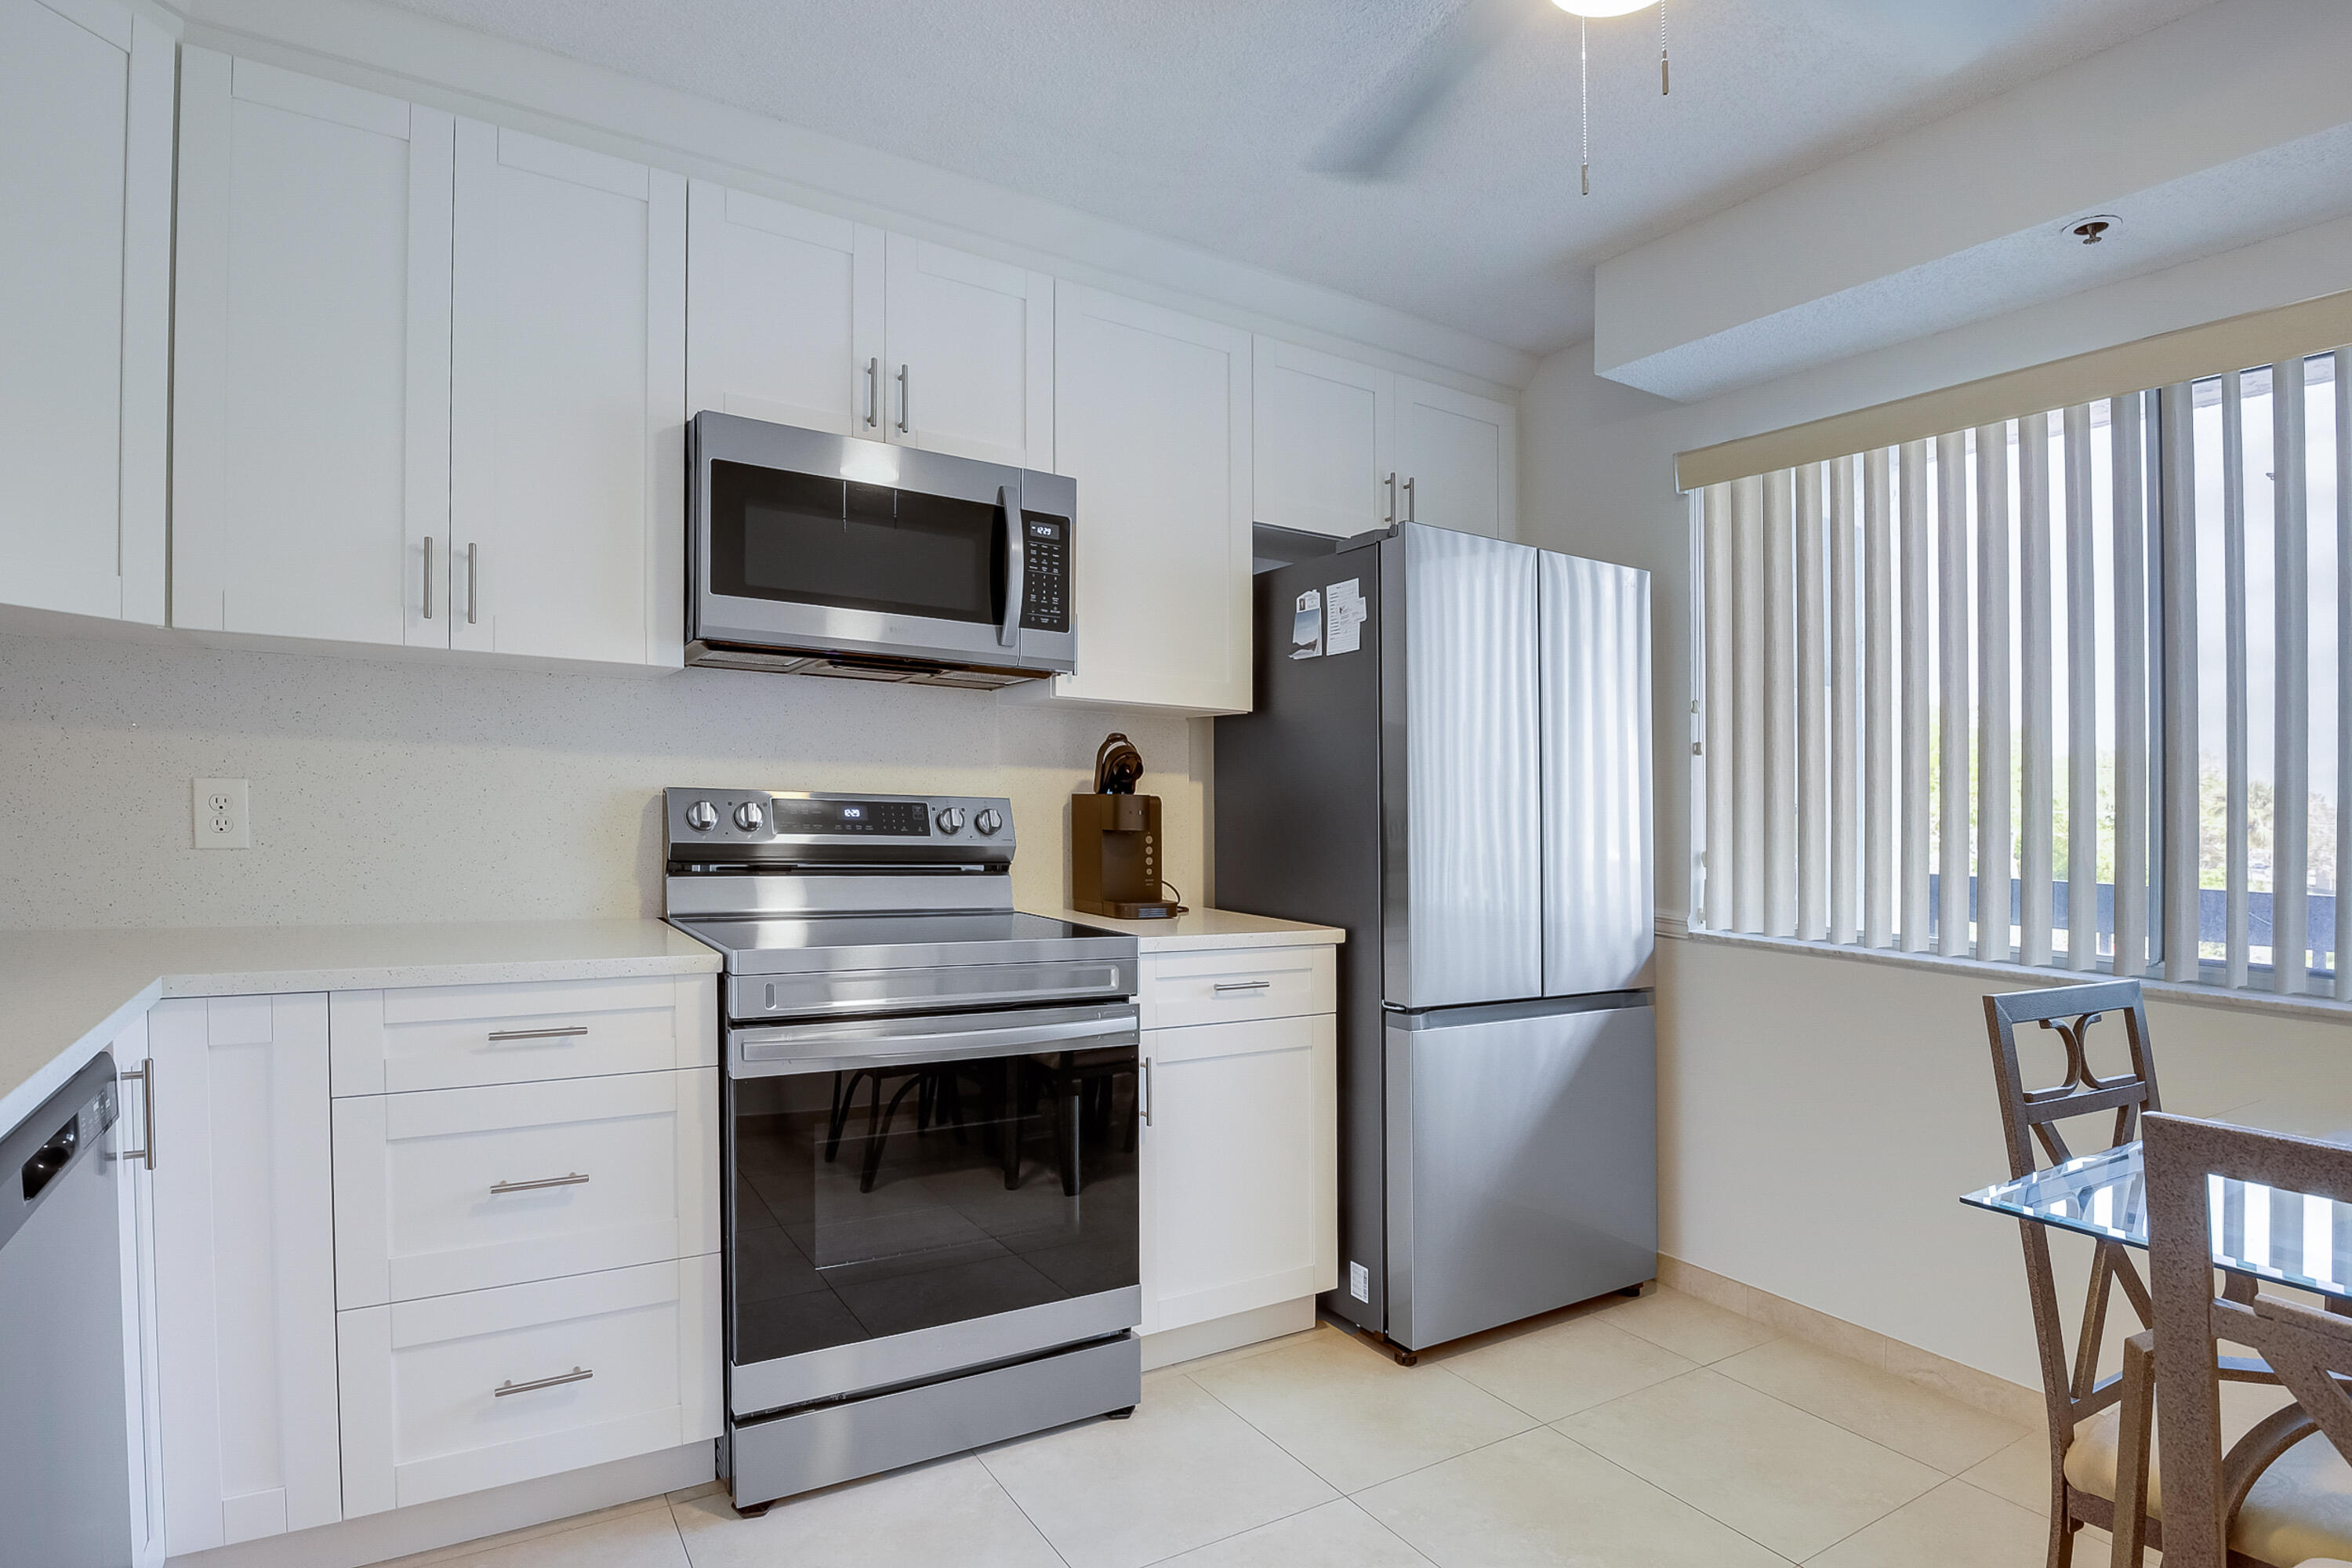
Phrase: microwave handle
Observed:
(1016, 567)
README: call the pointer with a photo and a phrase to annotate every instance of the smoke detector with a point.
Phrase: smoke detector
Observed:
(2091, 230)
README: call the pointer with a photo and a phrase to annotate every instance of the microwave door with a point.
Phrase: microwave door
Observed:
(808, 541)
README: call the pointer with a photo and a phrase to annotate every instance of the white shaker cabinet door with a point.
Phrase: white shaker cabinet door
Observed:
(969, 368)
(142, 1390)
(1456, 459)
(1153, 421)
(568, 382)
(245, 1268)
(1322, 428)
(1240, 1168)
(311, 453)
(85, 306)
(784, 313)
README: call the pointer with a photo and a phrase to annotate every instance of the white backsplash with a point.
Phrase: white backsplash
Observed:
(420, 790)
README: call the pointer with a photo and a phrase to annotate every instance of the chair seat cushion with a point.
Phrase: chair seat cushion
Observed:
(2300, 1509)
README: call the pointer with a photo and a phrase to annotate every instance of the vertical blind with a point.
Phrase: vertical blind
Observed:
(2066, 690)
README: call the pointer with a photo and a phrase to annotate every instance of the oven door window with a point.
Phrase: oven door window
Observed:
(807, 539)
(877, 1202)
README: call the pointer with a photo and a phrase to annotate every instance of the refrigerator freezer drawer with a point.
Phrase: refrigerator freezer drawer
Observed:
(1522, 1162)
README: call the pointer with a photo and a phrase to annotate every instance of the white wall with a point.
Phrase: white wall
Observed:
(1820, 1116)
(422, 789)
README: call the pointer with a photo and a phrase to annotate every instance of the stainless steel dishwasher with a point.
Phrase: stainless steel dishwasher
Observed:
(65, 1454)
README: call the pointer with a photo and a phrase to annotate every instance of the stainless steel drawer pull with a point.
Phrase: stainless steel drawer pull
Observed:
(1244, 984)
(577, 1375)
(573, 1179)
(145, 1073)
(569, 1029)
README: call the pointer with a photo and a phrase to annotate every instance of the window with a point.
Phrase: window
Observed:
(2062, 690)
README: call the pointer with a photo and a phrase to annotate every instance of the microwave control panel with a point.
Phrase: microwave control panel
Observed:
(1045, 597)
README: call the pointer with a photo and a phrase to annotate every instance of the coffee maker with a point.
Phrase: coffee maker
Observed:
(1115, 850)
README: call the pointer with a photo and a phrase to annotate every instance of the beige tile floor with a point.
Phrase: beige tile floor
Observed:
(1657, 1433)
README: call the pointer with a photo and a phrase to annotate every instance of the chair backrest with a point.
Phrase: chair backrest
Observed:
(2306, 1348)
(2030, 1115)
(2069, 1011)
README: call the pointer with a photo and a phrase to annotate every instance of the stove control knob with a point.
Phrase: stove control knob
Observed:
(702, 816)
(987, 822)
(747, 817)
(951, 819)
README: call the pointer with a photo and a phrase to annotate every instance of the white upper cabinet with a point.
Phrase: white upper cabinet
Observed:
(1344, 446)
(784, 313)
(1153, 418)
(1322, 434)
(568, 400)
(85, 306)
(310, 485)
(1456, 459)
(969, 365)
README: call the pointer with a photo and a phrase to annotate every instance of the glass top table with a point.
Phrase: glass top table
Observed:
(2288, 1238)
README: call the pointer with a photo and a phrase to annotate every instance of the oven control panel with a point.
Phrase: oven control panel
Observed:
(885, 826)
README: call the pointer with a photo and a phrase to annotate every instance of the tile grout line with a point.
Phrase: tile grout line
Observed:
(998, 1481)
(1694, 1508)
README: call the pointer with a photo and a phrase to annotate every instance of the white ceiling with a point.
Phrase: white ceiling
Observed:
(1194, 119)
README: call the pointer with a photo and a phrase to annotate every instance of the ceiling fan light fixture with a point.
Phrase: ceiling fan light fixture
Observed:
(1600, 8)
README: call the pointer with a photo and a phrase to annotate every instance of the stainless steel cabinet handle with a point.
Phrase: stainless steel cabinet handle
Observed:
(1389, 515)
(577, 1375)
(902, 400)
(428, 576)
(1147, 1091)
(873, 390)
(1242, 984)
(573, 1179)
(539, 1034)
(1409, 512)
(471, 551)
(145, 1074)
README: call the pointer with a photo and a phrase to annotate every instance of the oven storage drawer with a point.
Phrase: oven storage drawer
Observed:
(466, 1189)
(456, 1037)
(463, 1393)
(1183, 988)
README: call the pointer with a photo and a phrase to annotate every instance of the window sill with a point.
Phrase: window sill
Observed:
(2322, 1009)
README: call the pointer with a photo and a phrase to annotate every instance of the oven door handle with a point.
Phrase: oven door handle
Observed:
(1016, 567)
(793, 1049)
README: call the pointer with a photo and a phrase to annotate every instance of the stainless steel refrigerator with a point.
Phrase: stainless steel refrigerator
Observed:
(1449, 757)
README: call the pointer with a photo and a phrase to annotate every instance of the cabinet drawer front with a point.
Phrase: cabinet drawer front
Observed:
(458, 1036)
(463, 1393)
(471, 1188)
(1181, 989)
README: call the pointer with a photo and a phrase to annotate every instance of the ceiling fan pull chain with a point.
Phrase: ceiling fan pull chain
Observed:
(1584, 105)
(1666, 84)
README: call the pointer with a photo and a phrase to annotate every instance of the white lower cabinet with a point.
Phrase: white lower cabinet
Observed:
(1240, 1160)
(464, 1189)
(244, 1277)
(460, 1393)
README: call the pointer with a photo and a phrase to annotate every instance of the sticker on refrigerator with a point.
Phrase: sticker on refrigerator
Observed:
(1307, 626)
(1347, 632)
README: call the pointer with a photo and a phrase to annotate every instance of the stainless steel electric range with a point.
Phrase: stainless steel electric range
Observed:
(929, 1115)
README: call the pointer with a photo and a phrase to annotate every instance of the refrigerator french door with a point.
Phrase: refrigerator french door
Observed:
(1449, 757)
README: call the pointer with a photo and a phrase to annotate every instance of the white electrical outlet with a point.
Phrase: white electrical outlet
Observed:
(223, 820)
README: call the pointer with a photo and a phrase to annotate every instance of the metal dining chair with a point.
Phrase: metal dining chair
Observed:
(2283, 1493)
(2080, 1455)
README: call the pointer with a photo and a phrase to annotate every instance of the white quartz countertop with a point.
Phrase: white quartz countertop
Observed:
(66, 994)
(1211, 929)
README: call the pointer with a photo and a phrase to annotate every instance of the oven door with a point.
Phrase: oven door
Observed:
(925, 1196)
(813, 541)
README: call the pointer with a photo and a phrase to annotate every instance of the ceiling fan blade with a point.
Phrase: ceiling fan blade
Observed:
(1367, 142)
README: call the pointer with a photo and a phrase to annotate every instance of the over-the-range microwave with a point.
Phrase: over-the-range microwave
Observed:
(827, 554)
